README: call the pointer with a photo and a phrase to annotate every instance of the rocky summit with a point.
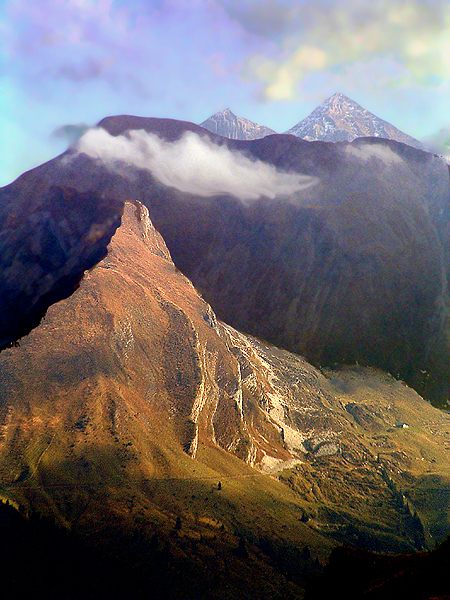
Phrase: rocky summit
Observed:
(227, 124)
(340, 119)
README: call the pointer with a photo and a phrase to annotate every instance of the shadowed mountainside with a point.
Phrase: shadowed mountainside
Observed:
(354, 575)
(45, 253)
(54, 558)
(349, 270)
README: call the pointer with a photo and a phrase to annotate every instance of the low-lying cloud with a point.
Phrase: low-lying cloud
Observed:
(367, 152)
(192, 164)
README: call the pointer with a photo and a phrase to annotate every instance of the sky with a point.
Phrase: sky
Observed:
(66, 62)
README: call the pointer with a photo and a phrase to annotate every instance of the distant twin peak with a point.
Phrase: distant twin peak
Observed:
(338, 118)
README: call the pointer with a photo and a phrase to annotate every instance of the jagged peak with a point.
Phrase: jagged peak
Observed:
(136, 219)
(226, 112)
(227, 124)
(340, 98)
(340, 118)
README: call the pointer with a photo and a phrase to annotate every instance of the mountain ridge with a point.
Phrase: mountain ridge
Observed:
(356, 179)
(339, 118)
(336, 119)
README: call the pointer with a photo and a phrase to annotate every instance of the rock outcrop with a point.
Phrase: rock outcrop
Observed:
(131, 383)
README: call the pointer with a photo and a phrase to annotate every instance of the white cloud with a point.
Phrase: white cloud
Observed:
(192, 164)
(367, 152)
(282, 79)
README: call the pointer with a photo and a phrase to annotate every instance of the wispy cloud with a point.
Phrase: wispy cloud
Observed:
(117, 42)
(369, 152)
(71, 132)
(192, 164)
(330, 36)
(439, 142)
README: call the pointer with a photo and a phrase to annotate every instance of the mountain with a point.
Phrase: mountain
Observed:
(212, 462)
(343, 259)
(130, 401)
(341, 119)
(227, 124)
(331, 275)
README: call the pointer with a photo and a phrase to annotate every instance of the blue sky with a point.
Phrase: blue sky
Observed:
(76, 61)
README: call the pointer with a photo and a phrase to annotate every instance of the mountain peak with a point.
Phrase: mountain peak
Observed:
(227, 124)
(226, 112)
(338, 96)
(339, 118)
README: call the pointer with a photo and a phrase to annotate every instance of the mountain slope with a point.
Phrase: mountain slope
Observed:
(344, 259)
(130, 401)
(340, 119)
(102, 413)
(227, 124)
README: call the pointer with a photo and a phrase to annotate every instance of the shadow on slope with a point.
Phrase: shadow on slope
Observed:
(43, 559)
(45, 254)
(355, 574)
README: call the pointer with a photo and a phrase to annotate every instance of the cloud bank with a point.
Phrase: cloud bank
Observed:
(192, 164)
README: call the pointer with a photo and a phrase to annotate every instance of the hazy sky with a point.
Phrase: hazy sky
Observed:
(76, 61)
